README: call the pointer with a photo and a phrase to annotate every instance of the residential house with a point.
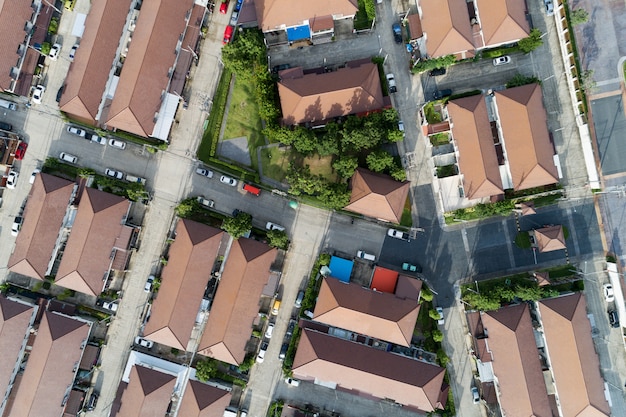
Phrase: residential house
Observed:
(548, 239)
(378, 196)
(146, 393)
(183, 282)
(236, 303)
(370, 372)
(502, 21)
(46, 384)
(202, 400)
(312, 98)
(368, 312)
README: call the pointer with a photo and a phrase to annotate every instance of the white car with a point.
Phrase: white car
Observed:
(401, 127)
(501, 60)
(205, 202)
(391, 82)
(17, 225)
(441, 319)
(398, 234)
(76, 131)
(118, 175)
(261, 356)
(117, 144)
(38, 94)
(148, 286)
(274, 226)
(73, 52)
(110, 305)
(204, 172)
(96, 139)
(12, 179)
(609, 294)
(54, 52)
(144, 342)
(292, 382)
(228, 180)
(475, 395)
(31, 180)
(269, 331)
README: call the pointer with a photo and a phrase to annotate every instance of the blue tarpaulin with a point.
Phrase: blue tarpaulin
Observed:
(340, 268)
(298, 33)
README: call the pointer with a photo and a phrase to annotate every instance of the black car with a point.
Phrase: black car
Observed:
(290, 328)
(5, 126)
(439, 94)
(280, 67)
(283, 351)
(437, 71)
(613, 318)
(93, 400)
(60, 93)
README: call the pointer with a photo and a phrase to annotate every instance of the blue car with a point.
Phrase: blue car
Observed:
(238, 5)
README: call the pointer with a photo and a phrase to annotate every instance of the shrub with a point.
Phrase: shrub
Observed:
(430, 64)
(579, 16)
(437, 336)
(532, 42)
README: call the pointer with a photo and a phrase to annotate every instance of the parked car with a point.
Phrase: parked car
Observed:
(21, 150)
(204, 172)
(38, 94)
(398, 234)
(17, 225)
(118, 175)
(66, 157)
(73, 52)
(406, 266)
(283, 351)
(228, 180)
(364, 255)
(76, 131)
(299, 299)
(292, 382)
(397, 32)
(269, 331)
(54, 52)
(238, 5)
(6, 126)
(277, 68)
(205, 203)
(613, 318)
(439, 94)
(609, 294)
(475, 395)
(261, 356)
(36, 171)
(117, 144)
(437, 72)
(401, 127)
(144, 342)
(441, 319)
(391, 82)
(93, 401)
(549, 7)
(12, 179)
(110, 305)
(148, 286)
(60, 93)
(98, 139)
(290, 328)
(228, 33)
(224, 7)
(501, 60)
(234, 17)
(274, 226)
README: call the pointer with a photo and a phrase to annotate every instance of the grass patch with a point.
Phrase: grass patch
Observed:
(496, 52)
(522, 240)
(465, 94)
(432, 116)
(211, 135)
(439, 139)
(275, 162)
(243, 118)
(407, 218)
(321, 165)
(446, 171)
(547, 200)
(624, 70)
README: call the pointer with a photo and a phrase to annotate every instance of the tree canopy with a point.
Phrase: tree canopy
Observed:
(237, 226)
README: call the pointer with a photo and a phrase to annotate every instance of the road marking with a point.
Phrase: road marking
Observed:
(507, 235)
(470, 263)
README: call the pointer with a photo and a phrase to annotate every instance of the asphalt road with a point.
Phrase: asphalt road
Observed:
(609, 121)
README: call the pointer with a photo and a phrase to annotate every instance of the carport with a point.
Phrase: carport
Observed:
(384, 280)
(298, 33)
(341, 268)
(617, 288)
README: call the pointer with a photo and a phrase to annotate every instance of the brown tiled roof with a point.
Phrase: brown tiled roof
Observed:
(573, 358)
(144, 76)
(377, 314)
(13, 18)
(515, 362)
(527, 207)
(415, 26)
(503, 21)
(183, 282)
(88, 74)
(148, 393)
(236, 302)
(273, 14)
(358, 367)
(90, 357)
(320, 23)
(87, 254)
(15, 319)
(317, 97)
(377, 195)
(408, 287)
(43, 218)
(202, 400)
(550, 238)
(185, 56)
(74, 403)
(51, 366)
(447, 27)
(526, 138)
(478, 161)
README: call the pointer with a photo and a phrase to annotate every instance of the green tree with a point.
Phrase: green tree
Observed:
(519, 80)
(237, 226)
(531, 293)
(395, 136)
(370, 9)
(437, 336)
(335, 196)
(278, 239)
(481, 302)
(301, 181)
(327, 145)
(442, 358)
(532, 42)
(244, 53)
(434, 314)
(136, 191)
(45, 48)
(579, 16)
(429, 64)
(186, 207)
(346, 165)
(304, 140)
(426, 294)
(53, 27)
(206, 369)
(397, 173)
(378, 161)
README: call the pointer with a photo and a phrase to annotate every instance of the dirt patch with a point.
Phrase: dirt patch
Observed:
(321, 165)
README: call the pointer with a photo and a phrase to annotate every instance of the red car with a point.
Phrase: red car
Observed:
(228, 33)
(21, 150)
(224, 7)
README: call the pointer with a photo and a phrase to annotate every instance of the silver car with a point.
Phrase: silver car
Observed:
(118, 175)
(228, 180)
(501, 60)
(117, 144)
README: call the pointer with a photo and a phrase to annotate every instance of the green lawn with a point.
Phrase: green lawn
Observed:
(275, 162)
(243, 118)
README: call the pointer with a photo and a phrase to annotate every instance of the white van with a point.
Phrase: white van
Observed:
(364, 255)
(132, 178)
(66, 157)
(7, 104)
